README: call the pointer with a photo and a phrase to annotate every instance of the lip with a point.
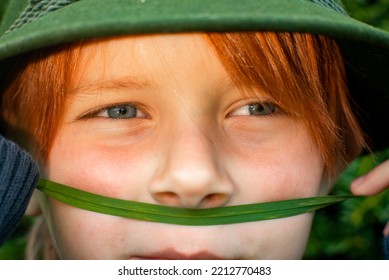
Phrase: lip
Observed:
(171, 254)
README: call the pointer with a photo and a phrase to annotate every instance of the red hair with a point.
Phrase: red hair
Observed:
(34, 100)
(303, 73)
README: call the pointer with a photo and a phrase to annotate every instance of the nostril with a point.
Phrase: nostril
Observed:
(214, 200)
(175, 200)
(168, 198)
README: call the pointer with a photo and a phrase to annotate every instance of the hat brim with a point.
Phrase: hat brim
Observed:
(365, 48)
(80, 21)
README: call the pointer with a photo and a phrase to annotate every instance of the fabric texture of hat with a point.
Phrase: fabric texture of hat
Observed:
(29, 25)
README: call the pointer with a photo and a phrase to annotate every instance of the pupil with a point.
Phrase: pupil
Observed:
(261, 109)
(122, 112)
(256, 109)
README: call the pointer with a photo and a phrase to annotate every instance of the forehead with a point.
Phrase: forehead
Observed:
(150, 58)
(258, 63)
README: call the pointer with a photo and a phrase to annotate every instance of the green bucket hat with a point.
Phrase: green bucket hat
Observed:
(29, 25)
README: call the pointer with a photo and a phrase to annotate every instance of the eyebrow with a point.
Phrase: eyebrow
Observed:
(120, 83)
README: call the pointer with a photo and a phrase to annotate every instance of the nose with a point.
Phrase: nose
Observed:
(190, 174)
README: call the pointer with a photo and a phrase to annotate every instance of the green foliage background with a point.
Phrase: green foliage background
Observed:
(374, 12)
(350, 230)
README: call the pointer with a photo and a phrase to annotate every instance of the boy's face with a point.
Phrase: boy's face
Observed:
(157, 119)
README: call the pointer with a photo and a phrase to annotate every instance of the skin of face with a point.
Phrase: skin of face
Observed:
(187, 138)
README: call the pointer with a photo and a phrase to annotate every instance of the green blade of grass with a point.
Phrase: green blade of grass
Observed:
(184, 216)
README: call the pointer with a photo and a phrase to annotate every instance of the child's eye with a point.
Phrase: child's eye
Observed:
(121, 112)
(256, 109)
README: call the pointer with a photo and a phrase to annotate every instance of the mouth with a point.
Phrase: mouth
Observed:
(171, 254)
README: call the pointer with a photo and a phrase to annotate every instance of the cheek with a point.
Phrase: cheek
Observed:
(81, 234)
(278, 239)
(103, 169)
(289, 237)
(290, 167)
(294, 175)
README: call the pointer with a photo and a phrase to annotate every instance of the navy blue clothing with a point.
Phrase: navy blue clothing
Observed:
(18, 177)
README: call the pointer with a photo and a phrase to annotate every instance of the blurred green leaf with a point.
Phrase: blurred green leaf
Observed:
(14, 248)
(374, 12)
(353, 229)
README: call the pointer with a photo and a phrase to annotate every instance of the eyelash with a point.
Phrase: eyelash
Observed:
(271, 107)
(98, 112)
